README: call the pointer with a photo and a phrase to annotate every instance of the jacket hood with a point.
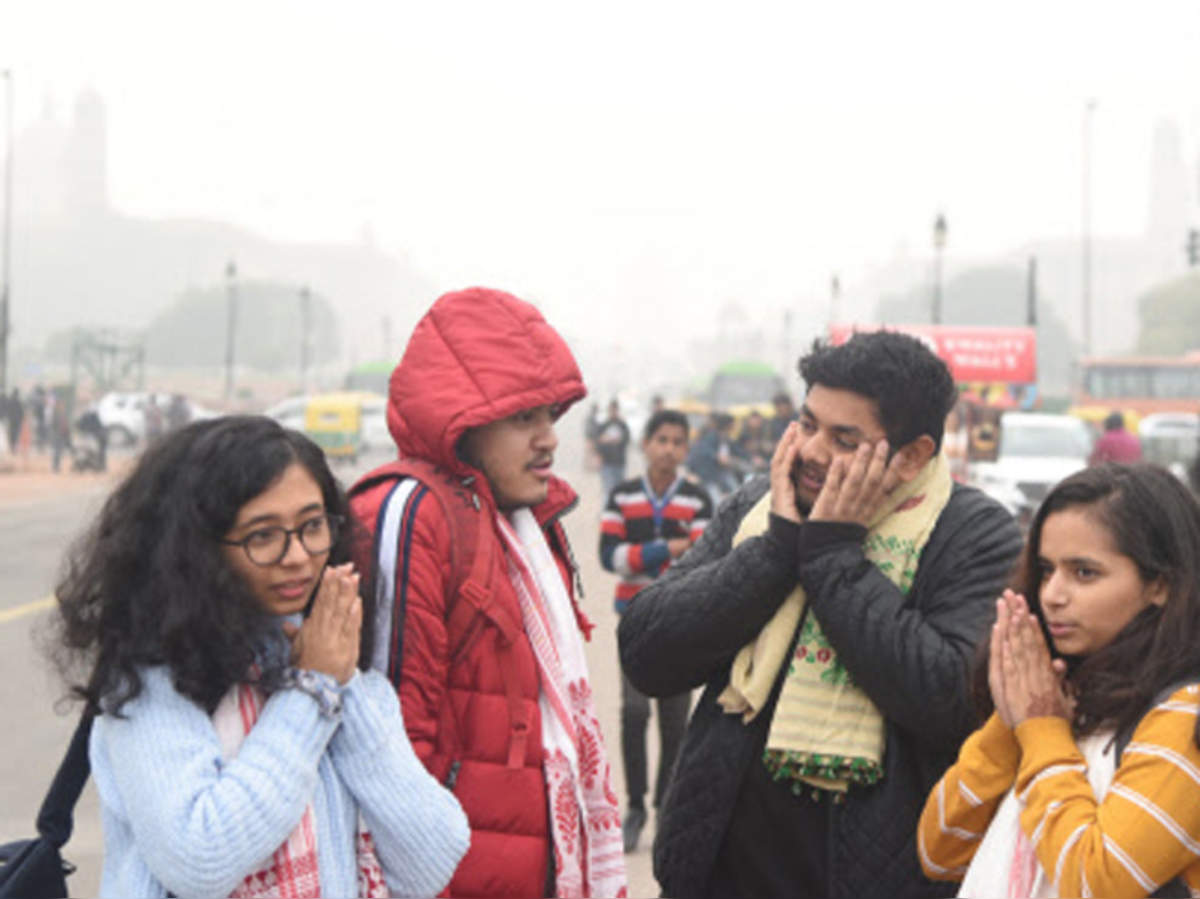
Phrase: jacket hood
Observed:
(477, 356)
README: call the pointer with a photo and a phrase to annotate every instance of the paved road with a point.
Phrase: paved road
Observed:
(34, 534)
(36, 526)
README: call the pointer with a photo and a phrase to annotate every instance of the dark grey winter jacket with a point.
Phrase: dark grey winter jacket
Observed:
(911, 655)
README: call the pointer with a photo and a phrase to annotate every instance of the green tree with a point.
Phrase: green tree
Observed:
(1170, 317)
(267, 335)
(991, 296)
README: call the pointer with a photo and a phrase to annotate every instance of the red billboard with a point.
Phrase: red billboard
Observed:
(973, 353)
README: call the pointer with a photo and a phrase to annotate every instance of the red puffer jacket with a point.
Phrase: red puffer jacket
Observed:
(477, 356)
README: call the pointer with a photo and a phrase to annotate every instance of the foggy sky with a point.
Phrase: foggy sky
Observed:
(626, 161)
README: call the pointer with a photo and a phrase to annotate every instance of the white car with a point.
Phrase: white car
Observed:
(1171, 439)
(289, 412)
(123, 415)
(1036, 450)
(375, 436)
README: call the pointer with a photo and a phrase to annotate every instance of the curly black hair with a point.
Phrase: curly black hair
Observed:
(912, 388)
(1155, 522)
(148, 582)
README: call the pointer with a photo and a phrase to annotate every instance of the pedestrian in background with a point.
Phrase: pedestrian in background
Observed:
(155, 422)
(38, 406)
(241, 746)
(89, 424)
(754, 446)
(480, 628)
(591, 428)
(711, 460)
(1116, 444)
(648, 522)
(1084, 779)
(178, 413)
(58, 418)
(612, 443)
(785, 414)
(14, 413)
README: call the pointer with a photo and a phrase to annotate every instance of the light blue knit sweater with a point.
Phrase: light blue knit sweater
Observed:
(178, 818)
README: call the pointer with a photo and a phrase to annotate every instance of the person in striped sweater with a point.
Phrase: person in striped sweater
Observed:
(1085, 778)
(649, 521)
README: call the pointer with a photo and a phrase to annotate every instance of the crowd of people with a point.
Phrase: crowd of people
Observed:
(39, 422)
(299, 689)
(65, 425)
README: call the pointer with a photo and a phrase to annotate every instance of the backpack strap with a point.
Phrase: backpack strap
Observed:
(470, 594)
(389, 621)
(412, 480)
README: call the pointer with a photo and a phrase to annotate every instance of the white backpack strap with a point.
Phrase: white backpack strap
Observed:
(388, 540)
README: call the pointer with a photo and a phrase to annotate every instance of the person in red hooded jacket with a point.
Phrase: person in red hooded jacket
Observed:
(496, 699)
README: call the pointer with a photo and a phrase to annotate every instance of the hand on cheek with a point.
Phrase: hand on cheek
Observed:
(783, 490)
(857, 485)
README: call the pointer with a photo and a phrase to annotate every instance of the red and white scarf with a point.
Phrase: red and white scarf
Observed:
(292, 871)
(585, 823)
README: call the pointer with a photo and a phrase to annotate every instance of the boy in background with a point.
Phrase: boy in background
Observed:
(648, 522)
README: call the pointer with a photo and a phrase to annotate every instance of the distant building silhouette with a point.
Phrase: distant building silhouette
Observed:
(85, 164)
(61, 168)
(1170, 208)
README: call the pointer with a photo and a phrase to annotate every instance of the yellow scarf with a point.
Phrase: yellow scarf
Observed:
(826, 731)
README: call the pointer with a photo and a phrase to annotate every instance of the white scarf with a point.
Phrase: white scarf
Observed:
(1005, 863)
(292, 870)
(585, 823)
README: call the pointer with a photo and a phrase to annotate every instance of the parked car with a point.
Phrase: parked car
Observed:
(1170, 439)
(289, 412)
(123, 414)
(1034, 452)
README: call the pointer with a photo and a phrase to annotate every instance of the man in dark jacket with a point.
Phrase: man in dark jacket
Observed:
(752, 810)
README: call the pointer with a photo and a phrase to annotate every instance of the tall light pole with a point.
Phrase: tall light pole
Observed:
(5, 287)
(1086, 274)
(1031, 290)
(230, 326)
(305, 331)
(835, 299)
(939, 244)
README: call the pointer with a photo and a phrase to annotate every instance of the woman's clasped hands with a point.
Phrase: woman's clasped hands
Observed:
(1024, 681)
(328, 640)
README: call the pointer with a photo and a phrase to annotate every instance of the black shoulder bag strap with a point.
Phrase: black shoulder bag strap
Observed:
(56, 819)
(35, 867)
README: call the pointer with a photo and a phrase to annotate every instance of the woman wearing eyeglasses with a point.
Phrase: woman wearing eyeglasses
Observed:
(241, 746)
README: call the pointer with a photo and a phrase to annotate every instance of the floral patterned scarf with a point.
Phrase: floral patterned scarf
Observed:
(589, 859)
(826, 732)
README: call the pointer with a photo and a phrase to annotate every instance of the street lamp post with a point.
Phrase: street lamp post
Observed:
(5, 286)
(230, 326)
(1086, 274)
(305, 331)
(1031, 293)
(939, 244)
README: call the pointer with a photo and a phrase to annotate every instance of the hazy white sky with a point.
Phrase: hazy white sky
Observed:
(600, 149)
